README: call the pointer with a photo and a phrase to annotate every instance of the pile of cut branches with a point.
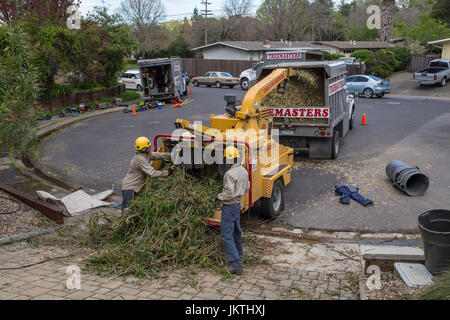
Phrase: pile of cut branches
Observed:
(163, 229)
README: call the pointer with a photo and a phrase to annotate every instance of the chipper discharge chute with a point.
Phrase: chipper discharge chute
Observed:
(249, 127)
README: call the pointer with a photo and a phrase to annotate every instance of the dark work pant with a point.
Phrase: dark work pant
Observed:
(127, 196)
(231, 232)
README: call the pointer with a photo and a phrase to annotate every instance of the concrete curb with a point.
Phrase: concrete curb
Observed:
(28, 161)
(341, 236)
(420, 98)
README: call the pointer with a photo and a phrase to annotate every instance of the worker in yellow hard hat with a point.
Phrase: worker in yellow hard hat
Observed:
(140, 168)
(235, 185)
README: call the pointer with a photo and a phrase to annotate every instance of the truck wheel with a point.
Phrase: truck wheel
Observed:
(443, 82)
(138, 87)
(218, 84)
(368, 93)
(244, 84)
(271, 207)
(196, 83)
(335, 144)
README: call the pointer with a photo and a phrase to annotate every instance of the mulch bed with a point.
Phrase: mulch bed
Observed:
(23, 219)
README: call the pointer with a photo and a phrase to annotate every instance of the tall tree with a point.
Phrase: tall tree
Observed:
(387, 8)
(441, 11)
(285, 19)
(44, 11)
(144, 16)
(142, 13)
(235, 11)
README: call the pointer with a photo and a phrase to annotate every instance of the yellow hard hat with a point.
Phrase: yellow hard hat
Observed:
(141, 143)
(231, 153)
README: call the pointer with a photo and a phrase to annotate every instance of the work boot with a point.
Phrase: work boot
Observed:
(237, 271)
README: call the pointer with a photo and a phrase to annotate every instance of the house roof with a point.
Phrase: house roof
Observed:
(259, 45)
(285, 45)
(354, 44)
(439, 41)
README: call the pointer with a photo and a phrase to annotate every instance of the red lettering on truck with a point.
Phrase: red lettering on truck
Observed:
(305, 112)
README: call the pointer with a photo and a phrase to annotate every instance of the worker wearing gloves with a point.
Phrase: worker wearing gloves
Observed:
(235, 185)
(140, 168)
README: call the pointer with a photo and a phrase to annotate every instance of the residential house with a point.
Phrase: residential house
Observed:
(250, 50)
(445, 47)
(254, 50)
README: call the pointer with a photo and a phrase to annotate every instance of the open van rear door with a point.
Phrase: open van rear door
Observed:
(177, 74)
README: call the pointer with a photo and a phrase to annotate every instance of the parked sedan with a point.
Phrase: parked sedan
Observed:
(368, 86)
(217, 79)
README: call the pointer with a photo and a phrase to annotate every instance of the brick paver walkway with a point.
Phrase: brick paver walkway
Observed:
(48, 280)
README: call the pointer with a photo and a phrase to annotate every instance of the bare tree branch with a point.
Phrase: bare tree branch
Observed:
(143, 13)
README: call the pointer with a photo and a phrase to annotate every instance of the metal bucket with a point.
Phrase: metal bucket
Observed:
(407, 178)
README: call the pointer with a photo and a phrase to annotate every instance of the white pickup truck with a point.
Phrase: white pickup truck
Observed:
(248, 77)
(438, 72)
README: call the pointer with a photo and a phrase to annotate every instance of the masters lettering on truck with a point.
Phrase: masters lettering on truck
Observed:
(303, 112)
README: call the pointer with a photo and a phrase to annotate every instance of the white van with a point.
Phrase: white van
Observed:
(131, 79)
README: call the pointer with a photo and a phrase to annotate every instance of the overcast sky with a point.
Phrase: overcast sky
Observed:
(176, 9)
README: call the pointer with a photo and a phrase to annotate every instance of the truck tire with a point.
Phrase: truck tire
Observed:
(196, 83)
(271, 207)
(443, 81)
(244, 84)
(368, 93)
(218, 84)
(335, 144)
(139, 87)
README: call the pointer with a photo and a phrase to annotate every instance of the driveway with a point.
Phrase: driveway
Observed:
(97, 152)
(402, 85)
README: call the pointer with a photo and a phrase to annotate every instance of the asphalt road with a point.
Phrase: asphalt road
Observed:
(97, 152)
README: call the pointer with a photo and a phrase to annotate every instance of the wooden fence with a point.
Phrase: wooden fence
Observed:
(419, 62)
(81, 97)
(353, 69)
(198, 67)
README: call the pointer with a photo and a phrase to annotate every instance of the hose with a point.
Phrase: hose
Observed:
(12, 200)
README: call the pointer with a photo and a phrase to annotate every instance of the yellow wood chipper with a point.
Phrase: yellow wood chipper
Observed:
(248, 127)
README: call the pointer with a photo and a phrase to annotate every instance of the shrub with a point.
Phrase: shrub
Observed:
(18, 88)
(402, 55)
(331, 56)
(381, 64)
(363, 54)
(88, 84)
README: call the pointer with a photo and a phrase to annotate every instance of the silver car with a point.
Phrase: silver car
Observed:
(368, 86)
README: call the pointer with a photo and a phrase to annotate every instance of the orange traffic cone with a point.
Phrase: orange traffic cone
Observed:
(180, 101)
(134, 111)
(190, 91)
(176, 106)
(364, 121)
(173, 101)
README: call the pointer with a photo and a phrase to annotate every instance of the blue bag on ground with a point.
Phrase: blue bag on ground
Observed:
(347, 191)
